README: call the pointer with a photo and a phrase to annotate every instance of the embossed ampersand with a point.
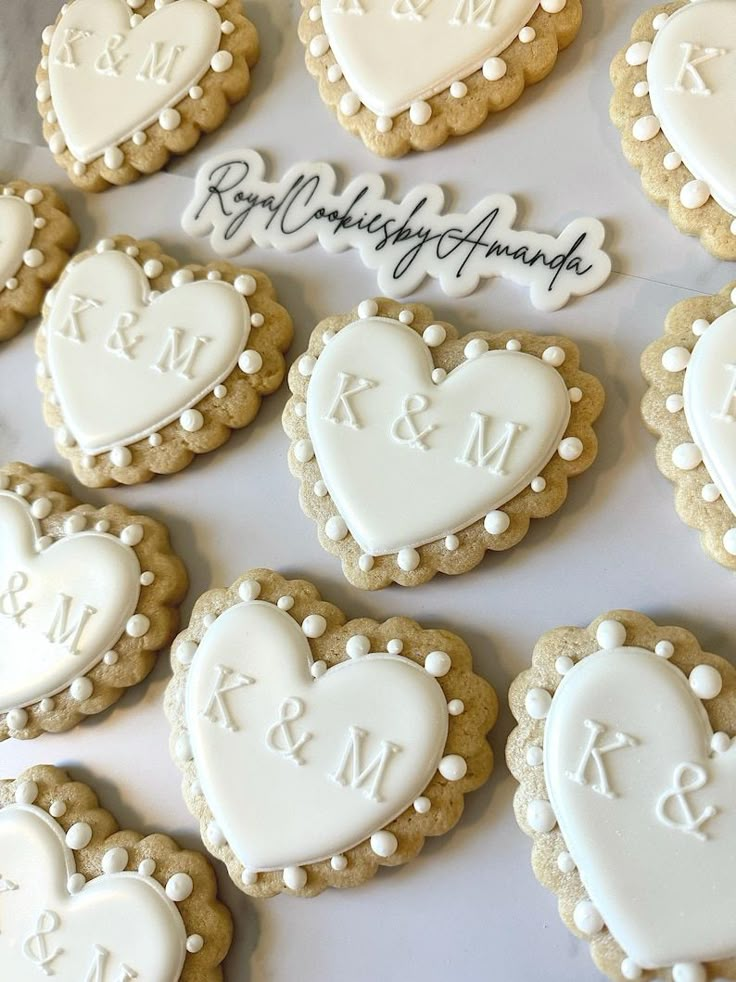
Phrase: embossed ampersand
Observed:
(280, 738)
(687, 779)
(405, 429)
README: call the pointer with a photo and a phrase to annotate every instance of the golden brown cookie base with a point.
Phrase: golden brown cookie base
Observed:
(466, 735)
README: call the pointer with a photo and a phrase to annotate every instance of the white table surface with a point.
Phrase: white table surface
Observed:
(469, 907)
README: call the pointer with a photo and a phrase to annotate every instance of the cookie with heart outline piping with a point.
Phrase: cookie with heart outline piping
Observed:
(351, 740)
(108, 336)
(688, 407)
(671, 97)
(122, 86)
(87, 598)
(624, 736)
(398, 495)
(110, 902)
(472, 59)
(37, 239)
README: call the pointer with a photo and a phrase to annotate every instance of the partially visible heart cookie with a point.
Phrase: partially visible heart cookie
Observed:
(625, 758)
(407, 74)
(418, 451)
(675, 85)
(313, 750)
(87, 598)
(691, 407)
(123, 85)
(144, 364)
(81, 899)
(36, 239)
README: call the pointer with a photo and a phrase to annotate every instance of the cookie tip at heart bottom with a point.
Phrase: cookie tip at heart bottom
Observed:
(623, 753)
(83, 899)
(352, 741)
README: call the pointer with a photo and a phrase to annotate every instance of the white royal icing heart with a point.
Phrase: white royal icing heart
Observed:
(692, 85)
(397, 52)
(16, 235)
(124, 363)
(408, 461)
(118, 926)
(646, 811)
(710, 406)
(109, 80)
(296, 769)
(61, 607)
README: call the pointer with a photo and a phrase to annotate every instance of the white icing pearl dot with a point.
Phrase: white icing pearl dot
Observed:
(137, 625)
(513, 345)
(285, 602)
(318, 669)
(219, 391)
(215, 835)
(700, 326)
(366, 309)
(315, 13)
(47, 705)
(689, 972)
(694, 194)
(81, 689)
(496, 522)
(672, 160)
(57, 143)
(674, 403)
(41, 508)
(686, 457)
(335, 528)
(306, 365)
(434, 335)
(494, 69)
(191, 420)
(710, 493)
(366, 562)
(641, 89)
(553, 6)
(395, 646)
(675, 359)
(475, 348)
(186, 651)
(249, 590)
(720, 743)
(611, 634)
(665, 649)
(257, 320)
(303, 451)
(57, 809)
(132, 535)
(147, 867)
(181, 277)
(438, 663)
(249, 877)
(420, 113)
(26, 792)
(12, 283)
(455, 707)
(314, 625)
(638, 53)
(195, 943)
(115, 860)
(453, 767)
(319, 46)
(196, 92)
(384, 124)
(300, 409)
(295, 878)
(221, 61)
(320, 489)
(587, 918)
(349, 104)
(408, 560)
(245, 284)
(554, 355)
(75, 883)
(438, 375)
(384, 844)
(540, 816)
(153, 268)
(79, 836)
(538, 485)
(114, 158)
(17, 719)
(646, 128)
(570, 448)
(139, 138)
(705, 681)
(121, 456)
(357, 646)
(334, 74)
(527, 34)
(452, 543)
(729, 542)
(110, 658)
(537, 702)
(534, 756)
(208, 620)
(564, 664)
(34, 196)
(179, 887)
(565, 863)
(659, 21)
(458, 90)
(33, 258)
(169, 119)
(422, 805)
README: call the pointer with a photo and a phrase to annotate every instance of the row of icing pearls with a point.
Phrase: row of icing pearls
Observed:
(82, 688)
(706, 683)
(497, 522)
(383, 842)
(179, 886)
(420, 112)
(250, 361)
(31, 257)
(694, 193)
(688, 456)
(169, 117)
